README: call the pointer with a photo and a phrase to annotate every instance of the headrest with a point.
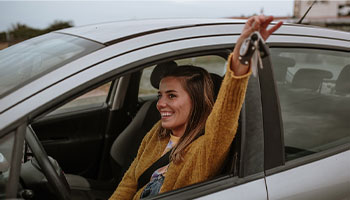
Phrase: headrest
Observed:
(342, 84)
(159, 71)
(310, 78)
(281, 61)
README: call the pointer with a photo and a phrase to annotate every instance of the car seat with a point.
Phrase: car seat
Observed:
(280, 67)
(310, 78)
(342, 84)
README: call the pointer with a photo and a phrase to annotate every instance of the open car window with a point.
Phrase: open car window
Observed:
(244, 165)
(212, 63)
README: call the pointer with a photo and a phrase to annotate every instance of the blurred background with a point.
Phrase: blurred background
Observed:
(21, 20)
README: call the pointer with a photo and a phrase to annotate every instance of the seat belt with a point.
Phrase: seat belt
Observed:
(146, 175)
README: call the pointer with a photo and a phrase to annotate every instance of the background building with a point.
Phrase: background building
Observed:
(328, 13)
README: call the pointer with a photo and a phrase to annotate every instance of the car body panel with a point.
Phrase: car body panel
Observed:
(244, 191)
(115, 31)
(328, 178)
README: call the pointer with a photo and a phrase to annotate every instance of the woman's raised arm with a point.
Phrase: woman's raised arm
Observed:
(256, 23)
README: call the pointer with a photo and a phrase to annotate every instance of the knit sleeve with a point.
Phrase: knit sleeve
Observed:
(127, 188)
(222, 123)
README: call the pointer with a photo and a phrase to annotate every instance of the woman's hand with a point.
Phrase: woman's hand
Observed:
(255, 23)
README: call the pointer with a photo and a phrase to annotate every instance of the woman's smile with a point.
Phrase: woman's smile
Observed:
(165, 114)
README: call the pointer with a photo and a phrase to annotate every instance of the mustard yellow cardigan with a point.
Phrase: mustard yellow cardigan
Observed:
(204, 156)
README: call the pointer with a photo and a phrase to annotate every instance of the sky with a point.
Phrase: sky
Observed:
(40, 14)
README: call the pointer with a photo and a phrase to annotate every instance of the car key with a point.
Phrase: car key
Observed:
(248, 51)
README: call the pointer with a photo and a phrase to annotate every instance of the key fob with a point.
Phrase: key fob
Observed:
(248, 48)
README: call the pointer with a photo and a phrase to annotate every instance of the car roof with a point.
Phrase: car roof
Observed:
(114, 32)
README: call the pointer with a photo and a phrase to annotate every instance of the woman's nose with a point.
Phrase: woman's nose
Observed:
(161, 103)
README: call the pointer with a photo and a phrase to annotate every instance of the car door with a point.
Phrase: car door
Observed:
(314, 95)
(79, 123)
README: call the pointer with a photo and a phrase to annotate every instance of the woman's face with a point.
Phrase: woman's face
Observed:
(174, 105)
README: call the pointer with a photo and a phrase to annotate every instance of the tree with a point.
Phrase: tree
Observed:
(3, 37)
(20, 32)
(57, 25)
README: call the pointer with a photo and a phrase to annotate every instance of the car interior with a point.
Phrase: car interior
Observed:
(106, 138)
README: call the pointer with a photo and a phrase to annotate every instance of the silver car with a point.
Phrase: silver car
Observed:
(80, 100)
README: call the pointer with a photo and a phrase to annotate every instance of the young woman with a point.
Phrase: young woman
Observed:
(196, 131)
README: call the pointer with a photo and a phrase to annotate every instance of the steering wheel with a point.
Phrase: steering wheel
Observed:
(51, 169)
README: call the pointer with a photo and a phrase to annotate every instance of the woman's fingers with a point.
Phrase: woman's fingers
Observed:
(267, 21)
(275, 27)
(260, 23)
(253, 24)
(266, 33)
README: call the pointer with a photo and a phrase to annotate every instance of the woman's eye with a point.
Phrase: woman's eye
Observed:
(159, 96)
(171, 96)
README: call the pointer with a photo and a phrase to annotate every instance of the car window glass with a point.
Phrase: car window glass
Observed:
(94, 98)
(314, 90)
(212, 63)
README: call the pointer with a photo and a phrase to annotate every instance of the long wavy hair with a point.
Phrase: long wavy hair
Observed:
(199, 85)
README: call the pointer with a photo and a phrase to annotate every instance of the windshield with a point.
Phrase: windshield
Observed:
(24, 62)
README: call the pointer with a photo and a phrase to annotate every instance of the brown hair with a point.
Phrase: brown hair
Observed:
(199, 85)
